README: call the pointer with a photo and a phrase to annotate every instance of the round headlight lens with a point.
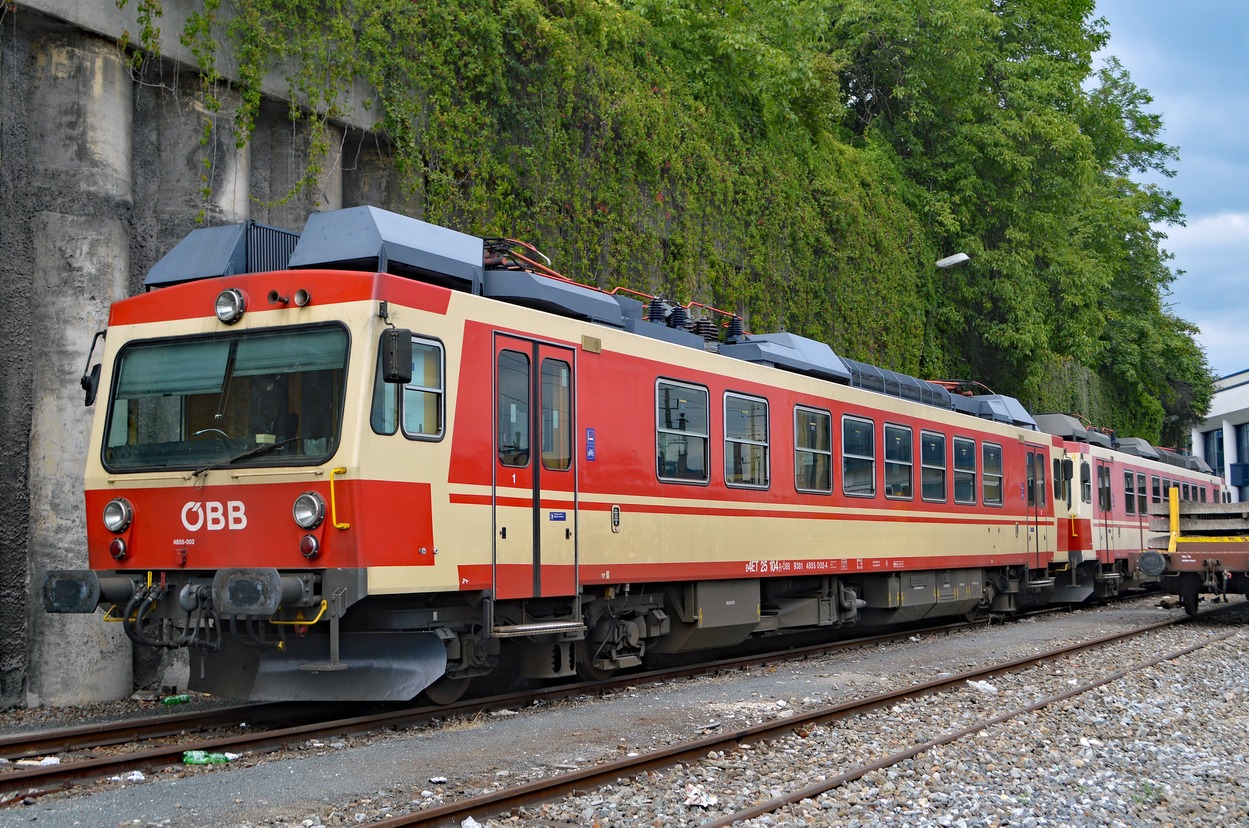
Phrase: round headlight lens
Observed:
(230, 305)
(309, 510)
(118, 514)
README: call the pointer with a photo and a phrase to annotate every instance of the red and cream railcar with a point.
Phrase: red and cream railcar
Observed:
(395, 457)
(1107, 500)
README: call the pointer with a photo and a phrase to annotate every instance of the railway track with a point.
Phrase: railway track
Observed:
(513, 801)
(166, 733)
(24, 782)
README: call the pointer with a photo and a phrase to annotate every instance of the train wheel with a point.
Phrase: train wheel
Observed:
(586, 670)
(446, 690)
(1189, 602)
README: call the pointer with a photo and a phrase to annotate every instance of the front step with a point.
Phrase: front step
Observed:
(538, 628)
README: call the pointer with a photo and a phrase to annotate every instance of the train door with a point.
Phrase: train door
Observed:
(1103, 517)
(1040, 547)
(535, 478)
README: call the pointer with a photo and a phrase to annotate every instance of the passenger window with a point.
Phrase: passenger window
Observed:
(556, 415)
(681, 419)
(992, 455)
(1129, 492)
(813, 450)
(1040, 479)
(964, 470)
(420, 408)
(422, 398)
(899, 462)
(858, 457)
(933, 466)
(1142, 496)
(745, 441)
(1086, 482)
(513, 413)
(1156, 484)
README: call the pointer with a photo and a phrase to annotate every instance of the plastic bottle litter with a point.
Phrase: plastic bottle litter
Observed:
(200, 757)
(181, 698)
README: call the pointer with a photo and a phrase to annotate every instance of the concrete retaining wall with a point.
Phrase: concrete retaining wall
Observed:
(100, 174)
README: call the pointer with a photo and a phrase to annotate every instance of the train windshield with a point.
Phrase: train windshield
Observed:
(248, 399)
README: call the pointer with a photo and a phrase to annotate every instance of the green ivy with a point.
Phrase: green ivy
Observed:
(800, 162)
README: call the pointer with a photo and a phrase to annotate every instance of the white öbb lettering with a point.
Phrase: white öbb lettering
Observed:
(213, 515)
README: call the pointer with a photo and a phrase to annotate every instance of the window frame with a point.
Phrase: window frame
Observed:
(799, 449)
(518, 458)
(118, 415)
(746, 441)
(925, 467)
(440, 393)
(973, 471)
(846, 456)
(557, 442)
(986, 475)
(660, 430)
(908, 464)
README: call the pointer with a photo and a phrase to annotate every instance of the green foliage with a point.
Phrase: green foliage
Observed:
(802, 162)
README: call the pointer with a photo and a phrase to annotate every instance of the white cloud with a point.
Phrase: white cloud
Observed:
(1213, 292)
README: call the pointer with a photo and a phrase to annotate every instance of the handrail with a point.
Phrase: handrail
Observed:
(334, 502)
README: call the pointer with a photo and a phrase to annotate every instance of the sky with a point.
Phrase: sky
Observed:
(1192, 56)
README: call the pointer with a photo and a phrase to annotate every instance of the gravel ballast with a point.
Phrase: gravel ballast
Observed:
(1163, 746)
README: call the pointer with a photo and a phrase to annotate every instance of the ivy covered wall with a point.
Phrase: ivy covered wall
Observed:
(802, 162)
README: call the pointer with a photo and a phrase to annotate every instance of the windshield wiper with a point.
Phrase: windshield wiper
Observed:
(255, 451)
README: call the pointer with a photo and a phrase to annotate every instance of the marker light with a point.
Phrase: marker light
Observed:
(118, 514)
(308, 547)
(117, 549)
(230, 305)
(309, 510)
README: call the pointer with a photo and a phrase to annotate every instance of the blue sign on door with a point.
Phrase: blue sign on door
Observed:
(589, 445)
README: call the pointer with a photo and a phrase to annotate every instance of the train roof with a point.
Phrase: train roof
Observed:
(1138, 447)
(1071, 429)
(374, 240)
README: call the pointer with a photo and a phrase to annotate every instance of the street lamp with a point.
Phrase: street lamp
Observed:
(951, 261)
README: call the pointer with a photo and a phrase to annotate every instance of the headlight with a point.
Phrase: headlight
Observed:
(118, 514)
(309, 510)
(230, 305)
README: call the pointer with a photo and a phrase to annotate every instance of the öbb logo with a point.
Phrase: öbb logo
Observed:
(213, 515)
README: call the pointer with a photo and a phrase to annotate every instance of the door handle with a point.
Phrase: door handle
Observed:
(567, 534)
(503, 533)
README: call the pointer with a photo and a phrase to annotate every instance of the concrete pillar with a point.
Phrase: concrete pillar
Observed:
(281, 152)
(370, 177)
(19, 343)
(1231, 454)
(183, 182)
(80, 147)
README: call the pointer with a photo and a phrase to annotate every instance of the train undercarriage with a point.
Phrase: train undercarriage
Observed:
(258, 634)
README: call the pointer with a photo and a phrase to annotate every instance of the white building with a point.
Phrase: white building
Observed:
(1223, 439)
